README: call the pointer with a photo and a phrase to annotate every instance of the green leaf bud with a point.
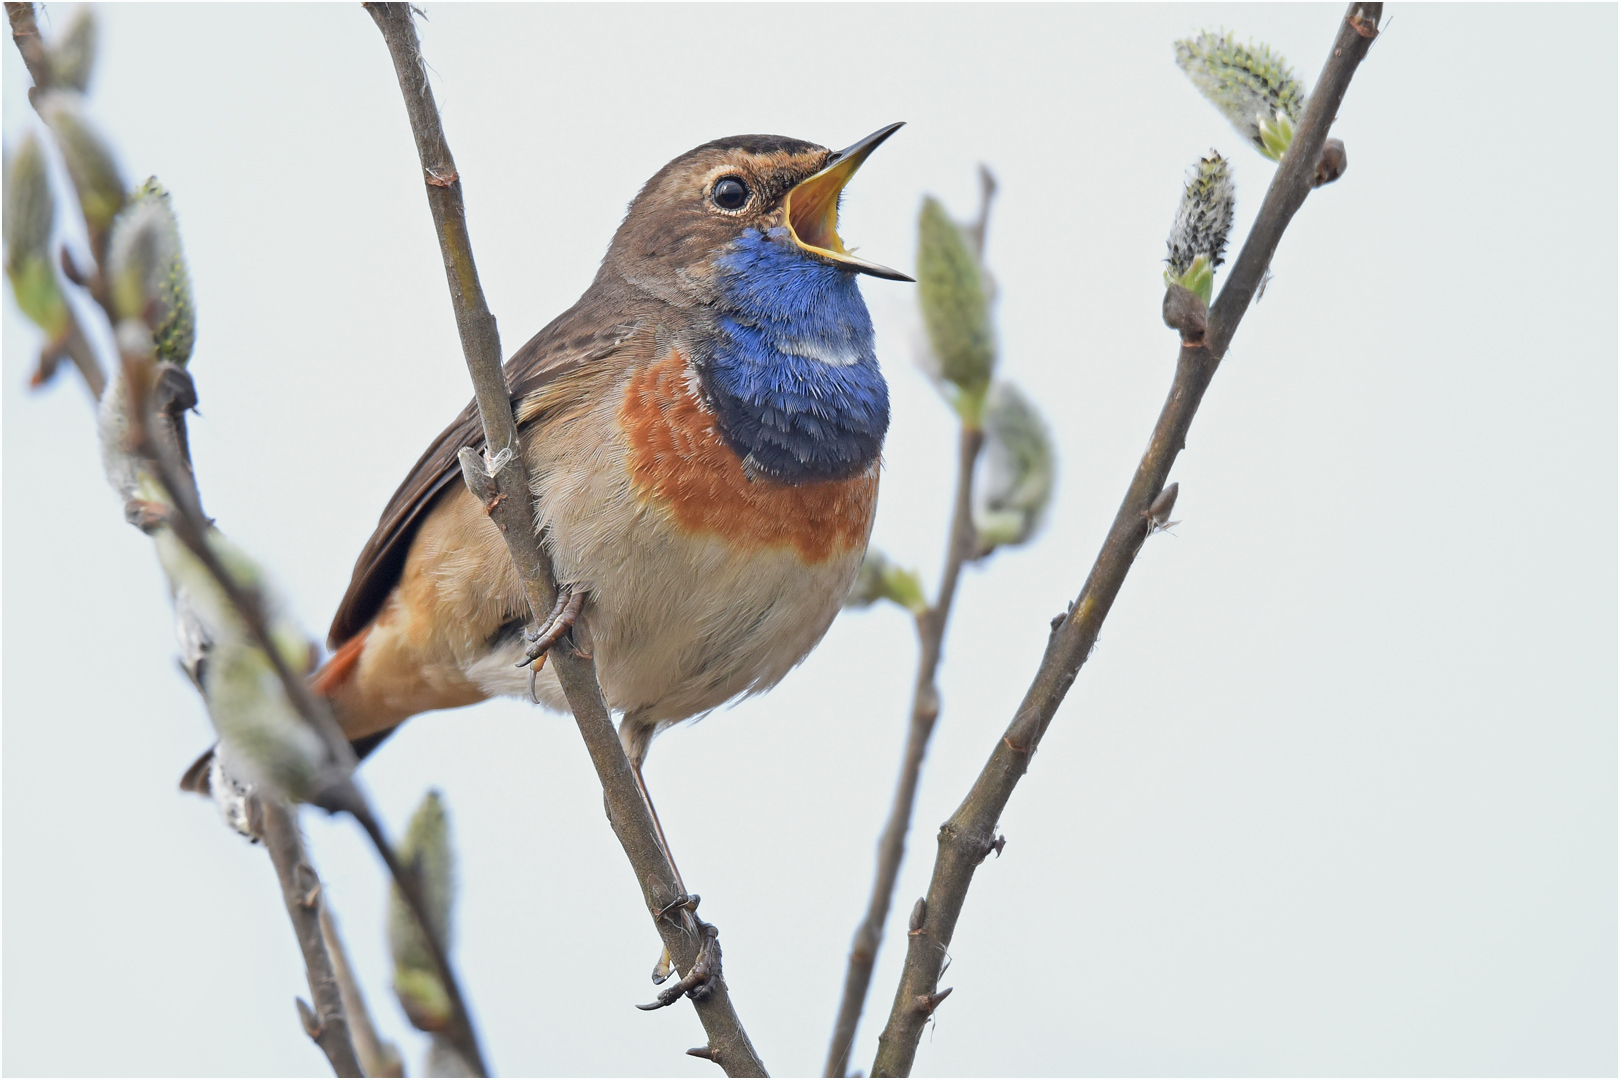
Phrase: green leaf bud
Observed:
(1020, 464)
(146, 272)
(1197, 242)
(955, 302)
(425, 852)
(89, 161)
(880, 579)
(30, 213)
(72, 57)
(1251, 85)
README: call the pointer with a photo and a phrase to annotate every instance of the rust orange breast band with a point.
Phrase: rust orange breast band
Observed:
(679, 460)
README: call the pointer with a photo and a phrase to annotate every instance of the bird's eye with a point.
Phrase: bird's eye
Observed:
(729, 193)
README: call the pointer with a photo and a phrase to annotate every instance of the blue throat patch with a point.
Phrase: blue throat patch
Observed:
(792, 373)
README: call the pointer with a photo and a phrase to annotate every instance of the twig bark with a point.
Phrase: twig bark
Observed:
(25, 33)
(627, 811)
(961, 546)
(378, 1057)
(327, 1024)
(966, 838)
(924, 712)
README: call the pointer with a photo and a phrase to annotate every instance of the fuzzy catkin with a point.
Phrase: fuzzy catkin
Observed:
(1250, 83)
(1204, 218)
(147, 271)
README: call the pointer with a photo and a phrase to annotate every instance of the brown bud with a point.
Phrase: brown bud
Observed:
(1331, 165)
(1186, 312)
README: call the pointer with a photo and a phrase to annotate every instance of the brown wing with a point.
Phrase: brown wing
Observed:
(561, 347)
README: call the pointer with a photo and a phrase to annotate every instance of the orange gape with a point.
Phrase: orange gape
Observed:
(678, 459)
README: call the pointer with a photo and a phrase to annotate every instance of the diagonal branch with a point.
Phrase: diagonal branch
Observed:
(158, 398)
(378, 1057)
(155, 439)
(729, 1046)
(327, 1023)
(966, 838)
(25, 33)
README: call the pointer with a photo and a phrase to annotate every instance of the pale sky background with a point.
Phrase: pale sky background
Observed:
(1336, 793)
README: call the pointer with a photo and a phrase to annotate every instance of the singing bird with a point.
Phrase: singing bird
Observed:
(702, 431)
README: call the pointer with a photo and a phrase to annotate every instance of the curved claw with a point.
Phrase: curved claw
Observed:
(699, 982)
(558, 623)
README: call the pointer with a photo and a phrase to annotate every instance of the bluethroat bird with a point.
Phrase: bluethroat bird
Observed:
(702, 429)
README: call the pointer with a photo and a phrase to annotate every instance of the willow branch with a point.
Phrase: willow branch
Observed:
(159, 396)
(157, 436)
(378, 1057)
(327, 1024)
(25, 33)
(513, 513)
(961, 546)
(931, 624)
(966, 838)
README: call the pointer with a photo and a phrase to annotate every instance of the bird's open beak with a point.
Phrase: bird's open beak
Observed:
(812, 207)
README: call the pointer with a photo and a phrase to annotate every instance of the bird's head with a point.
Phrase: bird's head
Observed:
(694, 208)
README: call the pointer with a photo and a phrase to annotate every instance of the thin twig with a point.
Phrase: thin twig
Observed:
(961, 546)
(337, 792)
(159, 397)
(514, 515)
(25, 32)
(378, 1057)
(924, 712)
(328, 1025)
(967, 837)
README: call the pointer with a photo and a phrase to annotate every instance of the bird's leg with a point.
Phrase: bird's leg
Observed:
(658, 827)
(683, 899)
(636, 734)
(558, 623)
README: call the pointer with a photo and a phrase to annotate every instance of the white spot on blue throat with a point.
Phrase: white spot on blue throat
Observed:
(792, 372)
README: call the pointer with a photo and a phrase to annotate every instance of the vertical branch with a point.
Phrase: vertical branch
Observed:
(967, 837)
(327, 1024)
(729, 1046)
(924, 712)
(960, 546)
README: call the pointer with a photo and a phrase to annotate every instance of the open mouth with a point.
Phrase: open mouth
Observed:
(812, 208)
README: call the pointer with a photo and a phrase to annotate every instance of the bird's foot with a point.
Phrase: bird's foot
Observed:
(690, 902)
(699, 982)
(558, 623)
